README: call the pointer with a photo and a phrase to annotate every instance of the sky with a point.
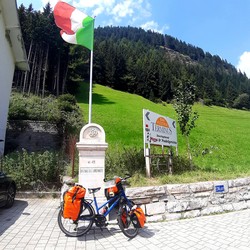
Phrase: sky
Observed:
(220, 27)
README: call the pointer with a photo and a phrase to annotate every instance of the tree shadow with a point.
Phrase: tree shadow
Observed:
(9, 216)
(83, 95)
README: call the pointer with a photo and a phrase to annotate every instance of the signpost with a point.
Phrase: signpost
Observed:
(157, 130)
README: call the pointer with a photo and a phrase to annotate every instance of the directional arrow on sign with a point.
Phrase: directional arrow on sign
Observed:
(147, 114)
(173, 124)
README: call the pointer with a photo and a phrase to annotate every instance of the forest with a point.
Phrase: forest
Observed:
(129, 59)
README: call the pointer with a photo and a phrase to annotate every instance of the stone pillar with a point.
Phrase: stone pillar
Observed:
(92, 148)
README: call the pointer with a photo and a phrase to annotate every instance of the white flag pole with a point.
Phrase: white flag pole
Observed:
(90, 85)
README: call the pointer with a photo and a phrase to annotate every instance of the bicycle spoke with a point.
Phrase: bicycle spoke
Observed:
(79, 227)
(124, 221)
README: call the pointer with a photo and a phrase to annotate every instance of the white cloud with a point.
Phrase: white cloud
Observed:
(123, 9)
(244, 63)
(154, 26)
(116, 12)
(93, 3)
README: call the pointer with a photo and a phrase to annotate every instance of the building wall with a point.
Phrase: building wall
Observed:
(7, 67)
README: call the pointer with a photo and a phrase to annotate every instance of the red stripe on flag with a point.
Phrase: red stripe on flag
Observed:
(62, 14)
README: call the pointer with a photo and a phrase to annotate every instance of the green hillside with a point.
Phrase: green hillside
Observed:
(220, 143)
(119, 113)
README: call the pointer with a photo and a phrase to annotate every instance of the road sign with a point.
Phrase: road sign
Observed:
(158, 129)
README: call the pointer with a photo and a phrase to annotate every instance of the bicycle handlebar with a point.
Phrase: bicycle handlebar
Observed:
(122, 178)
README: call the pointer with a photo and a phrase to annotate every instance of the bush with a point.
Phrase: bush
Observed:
(33, 108)
(67, 98)
(131, 161)
(242, 102)
(62, 110)
(71, 115)
(208, 102)
(28, 169)
(126, 161)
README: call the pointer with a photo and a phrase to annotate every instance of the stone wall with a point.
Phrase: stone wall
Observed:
(179, 201)
(32, 136)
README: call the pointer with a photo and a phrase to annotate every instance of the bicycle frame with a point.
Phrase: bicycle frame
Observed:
(116, 200)
(90, 214)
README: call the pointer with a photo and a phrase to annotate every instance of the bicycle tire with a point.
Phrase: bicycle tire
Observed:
(82, 225)
(126, 225)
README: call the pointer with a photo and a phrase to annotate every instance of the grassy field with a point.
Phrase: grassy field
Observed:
(220, 142)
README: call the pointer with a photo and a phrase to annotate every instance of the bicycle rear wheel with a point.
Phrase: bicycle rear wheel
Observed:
(79, 227)
(124, 220)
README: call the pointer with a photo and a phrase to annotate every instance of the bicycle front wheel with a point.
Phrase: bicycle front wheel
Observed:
(124, 220)
(79, 227)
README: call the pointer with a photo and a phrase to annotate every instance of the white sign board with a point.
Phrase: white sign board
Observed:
(158, 129)
(91, 170)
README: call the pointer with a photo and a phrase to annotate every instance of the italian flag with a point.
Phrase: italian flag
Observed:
(76, 27)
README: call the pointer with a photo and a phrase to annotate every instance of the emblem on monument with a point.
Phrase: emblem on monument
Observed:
(93, 132)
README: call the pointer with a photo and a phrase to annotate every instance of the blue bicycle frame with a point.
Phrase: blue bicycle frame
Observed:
(116, 200)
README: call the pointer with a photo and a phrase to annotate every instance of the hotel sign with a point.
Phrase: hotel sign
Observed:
(158, 129)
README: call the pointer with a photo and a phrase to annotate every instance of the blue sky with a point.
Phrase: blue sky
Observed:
(220, 27)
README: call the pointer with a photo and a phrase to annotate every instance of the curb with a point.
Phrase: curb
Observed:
(33, 194)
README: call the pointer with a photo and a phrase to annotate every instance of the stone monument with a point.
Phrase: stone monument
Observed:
(92, 148)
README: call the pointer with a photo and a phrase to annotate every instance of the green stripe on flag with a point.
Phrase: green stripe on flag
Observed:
(85, 35)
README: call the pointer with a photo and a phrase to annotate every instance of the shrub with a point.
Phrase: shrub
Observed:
(28, 169)
(33, 108)
(17, 108)
(242, 102)
(208, 102)
(67, 98)
(62, 110)
(131, 161)
(124, 161)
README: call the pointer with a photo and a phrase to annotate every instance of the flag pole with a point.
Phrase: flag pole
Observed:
(90, 85)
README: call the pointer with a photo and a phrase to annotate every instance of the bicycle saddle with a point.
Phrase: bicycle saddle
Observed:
(93, 190)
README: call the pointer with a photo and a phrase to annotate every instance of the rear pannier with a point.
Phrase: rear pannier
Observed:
(72, 202)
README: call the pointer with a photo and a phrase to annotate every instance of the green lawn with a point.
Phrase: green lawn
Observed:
(220, 142)
(119, 113)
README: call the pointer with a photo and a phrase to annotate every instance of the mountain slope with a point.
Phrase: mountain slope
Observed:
(220, 142)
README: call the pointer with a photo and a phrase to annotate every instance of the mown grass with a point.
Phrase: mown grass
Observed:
(220, 142)
(119, 113)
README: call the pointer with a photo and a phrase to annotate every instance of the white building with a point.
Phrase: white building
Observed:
(12, 54)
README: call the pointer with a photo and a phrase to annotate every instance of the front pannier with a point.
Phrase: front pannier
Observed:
(72, 201)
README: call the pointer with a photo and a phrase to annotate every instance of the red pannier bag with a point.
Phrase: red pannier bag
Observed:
(72, 201)
(138, 217)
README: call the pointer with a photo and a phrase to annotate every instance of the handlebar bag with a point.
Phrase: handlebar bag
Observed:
(112, 190)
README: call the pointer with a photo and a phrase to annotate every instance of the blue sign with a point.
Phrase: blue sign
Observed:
(219, 188)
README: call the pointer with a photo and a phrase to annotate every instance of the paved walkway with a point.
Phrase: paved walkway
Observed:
(32, 224)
